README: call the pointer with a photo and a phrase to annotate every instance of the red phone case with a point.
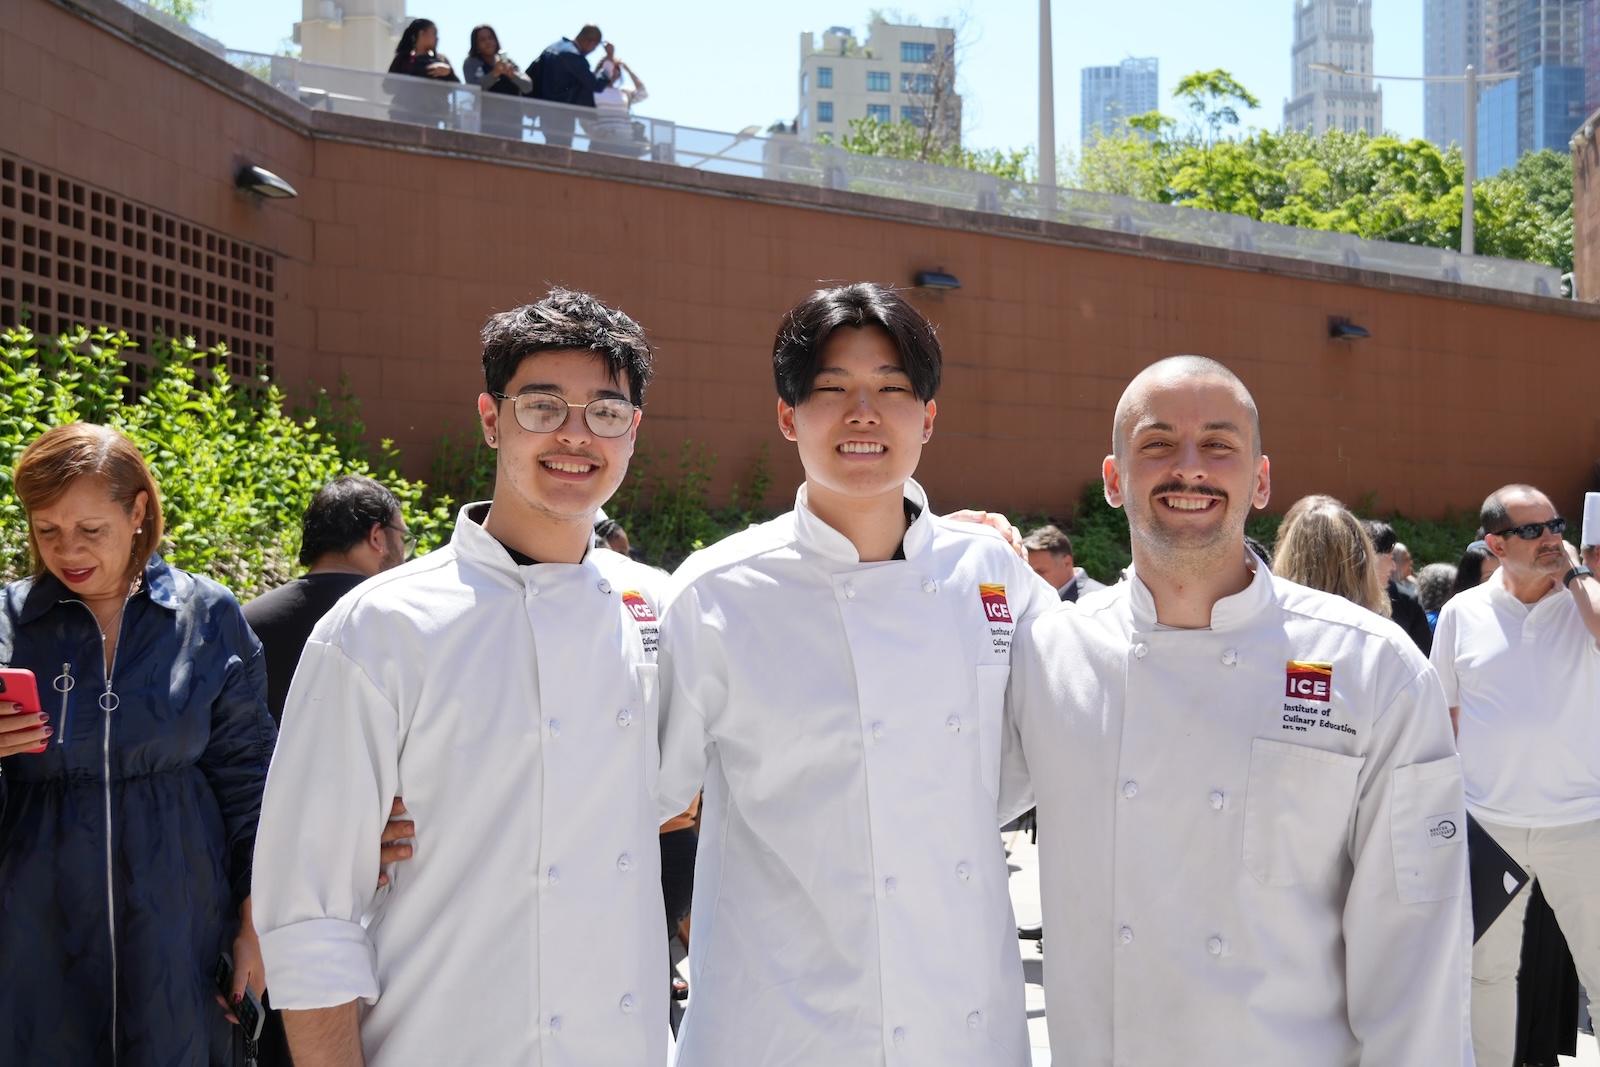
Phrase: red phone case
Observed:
(18, 686)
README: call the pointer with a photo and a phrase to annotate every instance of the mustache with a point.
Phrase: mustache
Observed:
(570, 453)
(1192, 490)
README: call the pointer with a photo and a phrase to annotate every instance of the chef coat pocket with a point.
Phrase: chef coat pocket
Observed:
(992, 680)
(1296, 811)
(647, 678)
(1428, 825)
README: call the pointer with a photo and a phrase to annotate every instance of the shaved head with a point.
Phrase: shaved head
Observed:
(1178, 371)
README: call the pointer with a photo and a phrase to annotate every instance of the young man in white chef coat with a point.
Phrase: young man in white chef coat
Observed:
(1251, 823)
(836, 679)
(505, 684)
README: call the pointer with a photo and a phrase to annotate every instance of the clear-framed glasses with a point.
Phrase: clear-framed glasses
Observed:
(408, 540)
(1532, 531)
(610, 416)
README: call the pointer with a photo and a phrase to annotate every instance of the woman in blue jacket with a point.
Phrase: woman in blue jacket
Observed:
(128, 805)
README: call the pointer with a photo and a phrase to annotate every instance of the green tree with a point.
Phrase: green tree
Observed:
(185, 11)
(908, 141)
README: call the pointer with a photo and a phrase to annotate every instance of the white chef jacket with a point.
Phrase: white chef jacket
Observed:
(1232, 874)
(515, 710)
(850, 901)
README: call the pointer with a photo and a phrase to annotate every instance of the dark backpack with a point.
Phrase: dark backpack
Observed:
(535, 74)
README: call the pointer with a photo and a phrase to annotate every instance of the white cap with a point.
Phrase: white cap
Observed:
(1591, 519)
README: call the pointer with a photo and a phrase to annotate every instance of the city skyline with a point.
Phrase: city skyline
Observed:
(1111, 95)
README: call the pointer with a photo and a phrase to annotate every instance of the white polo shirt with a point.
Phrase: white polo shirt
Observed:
(1527, 680)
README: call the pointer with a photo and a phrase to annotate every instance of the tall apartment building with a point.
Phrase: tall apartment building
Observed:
(1452, 38)
(1112, 95)
(1337, 32)
(1543, 41)
(900, 73)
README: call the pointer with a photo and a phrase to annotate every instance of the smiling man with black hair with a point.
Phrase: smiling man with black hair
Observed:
(836, 678)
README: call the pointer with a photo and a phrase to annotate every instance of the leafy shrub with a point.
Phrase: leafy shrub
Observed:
(235, 471)
(668, 512)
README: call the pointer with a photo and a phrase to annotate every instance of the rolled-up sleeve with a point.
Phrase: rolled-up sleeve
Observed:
(328, 793)
(1407, 918)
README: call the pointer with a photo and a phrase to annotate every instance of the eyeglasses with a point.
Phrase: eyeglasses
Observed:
(407, 539)
(1532, 531)
(609, 416)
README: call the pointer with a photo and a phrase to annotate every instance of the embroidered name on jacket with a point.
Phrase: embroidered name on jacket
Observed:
(997, 613)
(1313, 682)
(1309, 681)
(644, 615)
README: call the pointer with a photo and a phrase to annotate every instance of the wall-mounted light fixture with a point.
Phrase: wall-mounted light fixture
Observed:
(263, 183)
(937, 279)
(1345, 330)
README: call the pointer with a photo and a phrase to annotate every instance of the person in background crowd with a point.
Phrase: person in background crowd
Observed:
(1236, 778)
(611, 124)
(1402, 570)
(611, 534)
(526, 927)
(416, 56)
(1050, 556)
(1435, 584)
(680, 837)
(1477, 566)
(1404, 607)
(501, 81)
(1259, 549)
(1519, 656)
(835, 679)
(1327, 548)
(565, 78)
(352, 530)
(128, 807)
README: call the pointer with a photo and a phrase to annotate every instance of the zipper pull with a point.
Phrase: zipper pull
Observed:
(63, 684)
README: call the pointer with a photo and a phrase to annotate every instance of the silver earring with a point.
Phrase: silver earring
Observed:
(491, 439)
(138, 531)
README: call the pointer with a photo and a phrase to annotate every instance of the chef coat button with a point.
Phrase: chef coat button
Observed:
(533, 590)
(899, 1035)
(928, 586)
(1130, 789)
(963, 872)
(555, 727)
(624, 717)
(877, 731)
(1230, 656)
(555, 1024)
(849, 590)
(626, 1004)
(624, 862)
(1214, 946)
(1140, 650)
(1127, 935)
(605, 586)
(889, 886)
(1216, 800)
(975, 1020)
(953, 724)
(553, 875)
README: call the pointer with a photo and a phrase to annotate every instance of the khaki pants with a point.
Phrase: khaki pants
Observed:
(1566, 861)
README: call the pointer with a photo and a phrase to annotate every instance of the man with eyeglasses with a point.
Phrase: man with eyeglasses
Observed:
(506, 685)
(1519, 657)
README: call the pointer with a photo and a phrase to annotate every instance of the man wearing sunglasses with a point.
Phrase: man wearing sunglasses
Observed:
(1519, 658)
(506, 685)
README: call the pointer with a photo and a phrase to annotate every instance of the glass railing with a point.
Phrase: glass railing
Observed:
(784, 158)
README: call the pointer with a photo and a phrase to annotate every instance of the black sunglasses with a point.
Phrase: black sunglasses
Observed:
(1532, 531)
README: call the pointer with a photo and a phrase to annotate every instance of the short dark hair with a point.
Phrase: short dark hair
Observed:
(806, 327)
(342, 514)
(590, 29)
(566, 321)
(1051, 539)
(1382, 534)
(1494, 516)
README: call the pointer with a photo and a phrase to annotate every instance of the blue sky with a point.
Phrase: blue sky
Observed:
(723, 65)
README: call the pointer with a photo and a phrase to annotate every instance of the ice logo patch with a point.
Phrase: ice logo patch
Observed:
(637, 606)
(995, 608)
(1309, 681)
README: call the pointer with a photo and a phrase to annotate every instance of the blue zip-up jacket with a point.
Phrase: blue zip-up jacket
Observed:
(125, 847)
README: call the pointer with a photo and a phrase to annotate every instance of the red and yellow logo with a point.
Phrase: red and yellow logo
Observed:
(995, 608)
(637, 606)
(1310, 681)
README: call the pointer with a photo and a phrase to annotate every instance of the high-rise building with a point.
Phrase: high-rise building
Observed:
(899, 74)
(1543, 41)
(1452, 38)
(1113, 95)
(1338, 33)
(354, 33)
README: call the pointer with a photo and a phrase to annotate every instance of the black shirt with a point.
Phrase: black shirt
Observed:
(284, 618)
(1411, 617)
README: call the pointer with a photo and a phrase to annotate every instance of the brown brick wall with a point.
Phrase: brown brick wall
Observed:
(401, 242)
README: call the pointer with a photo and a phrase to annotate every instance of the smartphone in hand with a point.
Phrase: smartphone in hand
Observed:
(19, 686)
(248, 1011)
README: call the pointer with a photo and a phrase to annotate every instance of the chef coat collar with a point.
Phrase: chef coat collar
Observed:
(471, 540)
(1230, 613)
(824, 540)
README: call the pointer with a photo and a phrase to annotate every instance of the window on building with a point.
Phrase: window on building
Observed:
(920, 84)
(825, 111)
(824, 77)
(917, 116)
(878, 112)
(877, 81)
(916, 52)
(805, 83)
